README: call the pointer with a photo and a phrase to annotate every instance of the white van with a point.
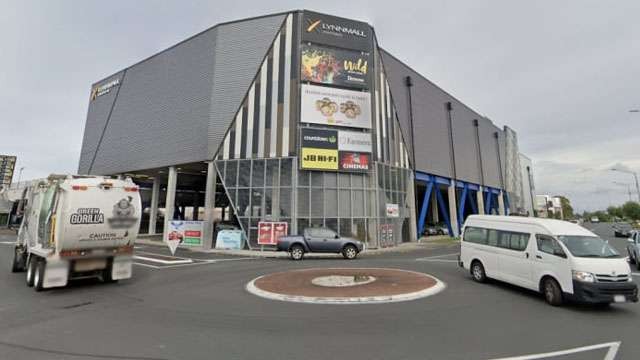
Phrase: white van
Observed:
(557, 258)
(77, 226)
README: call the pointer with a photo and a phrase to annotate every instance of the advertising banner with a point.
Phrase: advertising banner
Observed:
(319, 159)
(336, 139)
(269, 232)
(393, 210)
(325, 65)
(354, 141)
(229, 239)
(331, 106)
(183, 233)
(351, 161)
(331, 30)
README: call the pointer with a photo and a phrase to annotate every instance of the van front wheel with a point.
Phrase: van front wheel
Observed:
(477, 271)
(552, 292)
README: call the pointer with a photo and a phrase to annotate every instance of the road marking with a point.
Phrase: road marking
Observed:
(147, 265)
(431, 258)
(7, 242)
(438, 260)
(166, 262)
(611, 354)
(635, 274)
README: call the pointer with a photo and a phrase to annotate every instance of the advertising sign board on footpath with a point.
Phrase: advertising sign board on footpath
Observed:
(269, 232)
(229, 239)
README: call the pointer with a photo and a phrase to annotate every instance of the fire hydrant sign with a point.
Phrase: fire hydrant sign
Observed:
(269, 232)
(183, 233)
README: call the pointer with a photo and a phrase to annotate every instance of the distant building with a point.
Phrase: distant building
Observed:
(549, 206)
(7, 165)
(528, 185)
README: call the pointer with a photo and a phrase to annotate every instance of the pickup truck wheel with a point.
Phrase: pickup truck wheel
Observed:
(31, 270)
(296, 252)
(38, 276)
(349, 252)
(632, 260)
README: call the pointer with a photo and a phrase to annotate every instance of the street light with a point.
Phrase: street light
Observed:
(635, 176)
(627, 185)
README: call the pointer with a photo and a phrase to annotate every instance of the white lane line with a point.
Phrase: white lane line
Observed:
(428, 258)
(635, 274)
(7, 242)
(160, 261)
(156, 254)
(438, 260)
(611, 354)
(147, 265)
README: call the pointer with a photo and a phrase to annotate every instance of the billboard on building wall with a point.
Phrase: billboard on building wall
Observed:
(329, 149)
(337, 107)
(331, 30)
(326, 65)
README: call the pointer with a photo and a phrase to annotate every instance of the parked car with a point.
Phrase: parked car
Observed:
(633, 248)
(595, 220)
(622, 230)
(438, 229)
(559, 259)
(319, 240)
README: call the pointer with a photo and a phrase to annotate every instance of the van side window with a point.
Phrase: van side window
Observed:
(475, 235)
(549, 245)
(518, 241)
(494, 238)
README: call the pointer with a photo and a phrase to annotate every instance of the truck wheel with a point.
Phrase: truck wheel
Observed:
(31, 269)
(296, 252)
(552, 292)
(349, 252)
(18, 261)
(107, 273)
(38, 277)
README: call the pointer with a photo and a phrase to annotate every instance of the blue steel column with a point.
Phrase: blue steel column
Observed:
(463, 201)
(424, 207)
(440, 202)
(488, 205)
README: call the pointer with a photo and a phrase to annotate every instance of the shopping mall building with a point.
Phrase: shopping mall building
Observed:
(301, 118)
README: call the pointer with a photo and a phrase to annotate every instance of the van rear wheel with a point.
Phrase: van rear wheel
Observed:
(477, 271)
(552, 292)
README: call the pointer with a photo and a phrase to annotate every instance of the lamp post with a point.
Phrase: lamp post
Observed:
(635, 176)
(628, 187)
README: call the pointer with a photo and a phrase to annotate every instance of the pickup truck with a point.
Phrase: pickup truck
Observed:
(320, 240)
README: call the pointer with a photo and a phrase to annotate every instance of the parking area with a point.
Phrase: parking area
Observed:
(193, 305)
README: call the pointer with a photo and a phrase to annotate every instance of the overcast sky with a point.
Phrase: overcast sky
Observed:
(563, 74)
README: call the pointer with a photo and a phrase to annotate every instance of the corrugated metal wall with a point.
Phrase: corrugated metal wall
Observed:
(164, 114)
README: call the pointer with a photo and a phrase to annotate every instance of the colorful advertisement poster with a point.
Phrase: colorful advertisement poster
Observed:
(185, 232)
(336, 140)
(352, 161)
(338, 107)
(319, 159)
(325, 65)
(270, 232)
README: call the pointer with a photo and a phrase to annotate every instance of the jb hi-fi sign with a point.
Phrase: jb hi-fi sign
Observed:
(331, 30)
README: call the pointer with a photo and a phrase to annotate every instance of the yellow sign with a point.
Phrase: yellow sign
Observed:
(321, 159)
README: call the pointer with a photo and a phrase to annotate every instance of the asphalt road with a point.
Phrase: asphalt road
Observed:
(200, 310)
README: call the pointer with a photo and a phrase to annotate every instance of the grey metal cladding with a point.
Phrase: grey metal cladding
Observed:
(161, 116)
(465, 143)
(489, 152)
(240, 49)
(96, 118)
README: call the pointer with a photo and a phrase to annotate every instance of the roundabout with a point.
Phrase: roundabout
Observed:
(345, 286)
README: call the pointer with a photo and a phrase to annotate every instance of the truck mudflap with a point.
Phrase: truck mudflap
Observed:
(56, 273)
(122, 267)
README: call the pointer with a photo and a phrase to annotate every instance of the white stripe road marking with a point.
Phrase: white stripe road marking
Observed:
(428, 258)
(7, 242)
(200, 262)
(167, 262)
(147, 265)
(611, 354)
(438, 260)
(635, 274)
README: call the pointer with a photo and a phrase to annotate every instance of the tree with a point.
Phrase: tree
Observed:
(567, 209)
(615, 211)
(631, 209)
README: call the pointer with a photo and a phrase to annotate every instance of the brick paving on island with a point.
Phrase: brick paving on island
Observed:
(388, 282)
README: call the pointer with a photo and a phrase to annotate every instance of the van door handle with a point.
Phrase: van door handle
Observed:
(527, 254)
(538, 257)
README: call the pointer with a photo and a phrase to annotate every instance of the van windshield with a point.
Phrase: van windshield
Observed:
(588, 246)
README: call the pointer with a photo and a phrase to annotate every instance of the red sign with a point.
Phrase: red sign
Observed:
(270, 232)
(354, 161)
(192, 233)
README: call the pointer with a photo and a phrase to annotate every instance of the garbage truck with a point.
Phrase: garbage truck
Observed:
(77, 226)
